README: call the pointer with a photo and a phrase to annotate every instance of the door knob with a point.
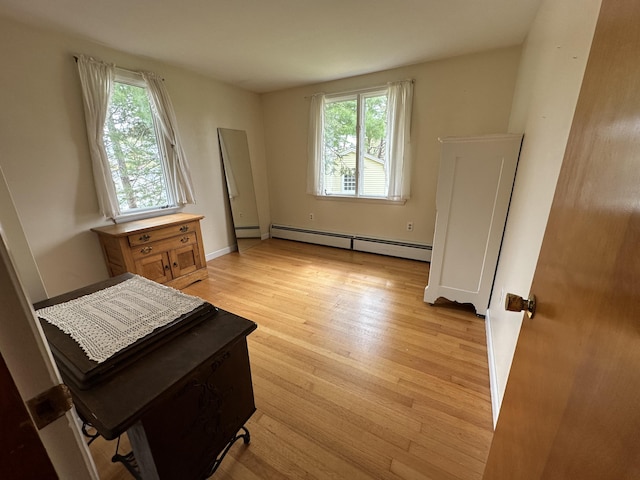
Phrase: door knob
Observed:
(515, 303)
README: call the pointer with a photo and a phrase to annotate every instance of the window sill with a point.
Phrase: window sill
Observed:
(141, 215)
(350, 198)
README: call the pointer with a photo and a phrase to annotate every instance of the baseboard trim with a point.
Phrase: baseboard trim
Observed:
(232, 248)
(219, 253)
(493, 377)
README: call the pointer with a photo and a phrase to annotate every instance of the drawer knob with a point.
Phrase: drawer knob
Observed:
(184, 239)
(146, 249)
(184, 228)
(144, 238)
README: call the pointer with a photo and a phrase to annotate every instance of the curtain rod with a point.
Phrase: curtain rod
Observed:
(356, 90)
(75, 57)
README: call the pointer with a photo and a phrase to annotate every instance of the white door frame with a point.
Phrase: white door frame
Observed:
(25, 349)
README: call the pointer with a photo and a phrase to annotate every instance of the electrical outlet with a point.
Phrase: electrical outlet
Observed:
(311, 216)
(409, 226)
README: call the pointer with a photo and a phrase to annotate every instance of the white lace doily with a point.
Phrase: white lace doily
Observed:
(105, 322)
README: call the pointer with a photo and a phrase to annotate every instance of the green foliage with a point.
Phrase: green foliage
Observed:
(375, 137)
(340, 134)
(132, 148)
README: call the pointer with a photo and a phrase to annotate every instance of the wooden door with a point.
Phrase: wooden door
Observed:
(22, 455)
(572, 404)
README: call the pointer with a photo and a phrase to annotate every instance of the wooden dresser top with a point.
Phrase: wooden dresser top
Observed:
(123, 229)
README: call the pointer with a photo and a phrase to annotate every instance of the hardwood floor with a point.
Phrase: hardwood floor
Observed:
(355, 377)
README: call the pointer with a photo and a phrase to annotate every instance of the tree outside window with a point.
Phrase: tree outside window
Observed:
(133, 150)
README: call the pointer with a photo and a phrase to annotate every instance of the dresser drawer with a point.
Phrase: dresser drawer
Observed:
(143, 238)
(172, 243)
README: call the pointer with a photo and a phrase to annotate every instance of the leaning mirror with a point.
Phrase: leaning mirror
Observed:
(234, 150)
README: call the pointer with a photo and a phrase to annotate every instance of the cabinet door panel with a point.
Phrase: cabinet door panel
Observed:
(185, 260)
(154, 267)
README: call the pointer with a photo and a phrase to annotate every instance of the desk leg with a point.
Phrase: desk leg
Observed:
(142, 452)
(139, 444)
(246, 436)
(129, 462)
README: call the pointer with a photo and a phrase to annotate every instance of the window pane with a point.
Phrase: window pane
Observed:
(349, 183)
(339, 145)
(132, 147)
(375, 146)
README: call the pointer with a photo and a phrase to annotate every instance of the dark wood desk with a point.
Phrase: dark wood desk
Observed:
(182, 402)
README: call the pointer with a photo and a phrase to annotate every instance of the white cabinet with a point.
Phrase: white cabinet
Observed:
(474, 189)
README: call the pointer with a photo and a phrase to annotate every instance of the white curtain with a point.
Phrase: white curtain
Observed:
(97, 82)
(315, 167)
(178, 173)
(399, 149)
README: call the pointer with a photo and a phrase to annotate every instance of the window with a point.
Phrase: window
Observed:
(355, 144)
(359, 143)
(133, 149)
(137, 158)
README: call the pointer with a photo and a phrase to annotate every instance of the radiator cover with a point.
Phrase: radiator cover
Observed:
(413, 251)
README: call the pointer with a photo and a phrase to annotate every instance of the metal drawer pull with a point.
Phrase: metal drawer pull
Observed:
(146, 249)
(184, 228)
(144, 238)
(184, 239)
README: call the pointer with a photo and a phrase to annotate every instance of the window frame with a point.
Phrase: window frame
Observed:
(132, 78)
(399, 149)
(360, 97)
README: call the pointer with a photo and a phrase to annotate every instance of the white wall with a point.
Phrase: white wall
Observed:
(467, 95)
(45, 158)
(553, 62)
(11, 228)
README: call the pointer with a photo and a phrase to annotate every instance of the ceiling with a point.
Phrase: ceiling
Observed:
(266, 45)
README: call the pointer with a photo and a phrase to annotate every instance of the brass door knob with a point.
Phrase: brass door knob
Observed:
(515, 303)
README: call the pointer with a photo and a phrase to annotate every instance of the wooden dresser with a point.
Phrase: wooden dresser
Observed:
(165, 249)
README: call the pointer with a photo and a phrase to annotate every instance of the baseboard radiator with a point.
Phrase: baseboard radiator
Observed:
(413, 251)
